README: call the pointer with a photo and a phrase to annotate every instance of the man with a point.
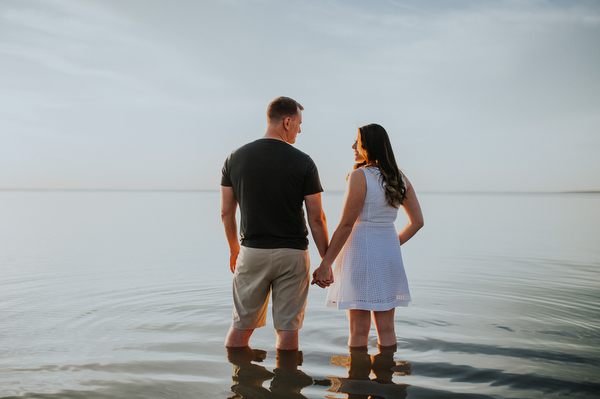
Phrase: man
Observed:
(270, 180)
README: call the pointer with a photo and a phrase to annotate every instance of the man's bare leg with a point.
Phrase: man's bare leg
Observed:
(287, 340)
(237, 338)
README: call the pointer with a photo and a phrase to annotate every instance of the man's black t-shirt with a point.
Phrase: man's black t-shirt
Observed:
(270, 179)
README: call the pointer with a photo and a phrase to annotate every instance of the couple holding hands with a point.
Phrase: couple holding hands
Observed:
(271, 181)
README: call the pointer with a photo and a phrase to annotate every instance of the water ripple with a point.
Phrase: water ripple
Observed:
(525, 382)
(430, 344)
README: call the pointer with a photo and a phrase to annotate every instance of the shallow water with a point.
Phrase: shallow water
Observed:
(127, 294)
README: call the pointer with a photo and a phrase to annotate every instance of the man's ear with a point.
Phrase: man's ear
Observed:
(287, 122)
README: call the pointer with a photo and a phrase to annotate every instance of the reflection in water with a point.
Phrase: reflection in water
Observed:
(360, 385)
(247, 376)
(287, 381)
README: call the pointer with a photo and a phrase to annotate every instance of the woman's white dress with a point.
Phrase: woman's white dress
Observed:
(368, 272)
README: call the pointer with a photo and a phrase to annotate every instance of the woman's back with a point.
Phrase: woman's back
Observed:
(375, 208)
(369, 273)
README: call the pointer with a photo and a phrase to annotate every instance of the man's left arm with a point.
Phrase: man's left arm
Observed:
(317, 222)
(228, 210)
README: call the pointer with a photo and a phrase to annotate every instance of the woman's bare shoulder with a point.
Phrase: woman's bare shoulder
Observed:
(357, 174)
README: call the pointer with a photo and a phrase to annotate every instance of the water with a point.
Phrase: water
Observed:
(127, 295)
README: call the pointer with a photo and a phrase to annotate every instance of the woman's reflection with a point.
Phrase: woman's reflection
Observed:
(360, 385)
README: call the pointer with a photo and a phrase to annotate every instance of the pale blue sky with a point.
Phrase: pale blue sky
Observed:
(146, 94)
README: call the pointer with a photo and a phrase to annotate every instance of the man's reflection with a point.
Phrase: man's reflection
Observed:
(287, 380)
(247, 376)
(359, 384)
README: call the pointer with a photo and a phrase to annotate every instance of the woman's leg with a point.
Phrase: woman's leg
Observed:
(359, 322)
(384, 323)
(358, 363)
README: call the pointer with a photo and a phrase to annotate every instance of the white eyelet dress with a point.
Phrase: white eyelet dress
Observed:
(368, 272)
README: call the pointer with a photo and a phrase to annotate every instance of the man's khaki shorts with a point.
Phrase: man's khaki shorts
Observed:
(258, 272)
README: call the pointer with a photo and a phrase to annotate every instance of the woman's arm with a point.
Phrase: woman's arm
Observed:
(355, 197)
(413, 211)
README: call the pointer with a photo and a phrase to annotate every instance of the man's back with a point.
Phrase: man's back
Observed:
(270, 179)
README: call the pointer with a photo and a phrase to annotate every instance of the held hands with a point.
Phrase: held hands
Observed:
(322, 276)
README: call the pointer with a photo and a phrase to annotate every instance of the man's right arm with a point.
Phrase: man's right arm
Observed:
(228, 210)
(317, 222)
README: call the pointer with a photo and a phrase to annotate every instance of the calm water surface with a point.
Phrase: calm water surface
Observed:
(127, 295)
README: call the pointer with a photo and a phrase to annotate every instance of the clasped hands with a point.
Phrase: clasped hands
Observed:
(323, 276)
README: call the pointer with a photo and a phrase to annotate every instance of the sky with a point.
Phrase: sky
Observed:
(499, 95)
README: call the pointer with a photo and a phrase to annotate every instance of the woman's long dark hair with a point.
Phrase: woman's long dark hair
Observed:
(378, 152)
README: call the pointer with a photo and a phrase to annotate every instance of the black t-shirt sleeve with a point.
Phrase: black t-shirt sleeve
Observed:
(225, 179)
(312, 183)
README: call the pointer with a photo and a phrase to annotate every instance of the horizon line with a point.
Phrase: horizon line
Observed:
(328, 191)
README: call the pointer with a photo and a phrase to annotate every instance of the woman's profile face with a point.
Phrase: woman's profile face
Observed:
(358, 150)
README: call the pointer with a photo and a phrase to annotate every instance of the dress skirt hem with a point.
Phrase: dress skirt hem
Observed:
(377, 307)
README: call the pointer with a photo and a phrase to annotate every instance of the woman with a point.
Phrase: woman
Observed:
(369, 275)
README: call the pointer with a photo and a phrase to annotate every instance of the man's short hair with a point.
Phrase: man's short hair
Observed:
(282, 107)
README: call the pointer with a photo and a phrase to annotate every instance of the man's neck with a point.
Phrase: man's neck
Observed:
(275, 134)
